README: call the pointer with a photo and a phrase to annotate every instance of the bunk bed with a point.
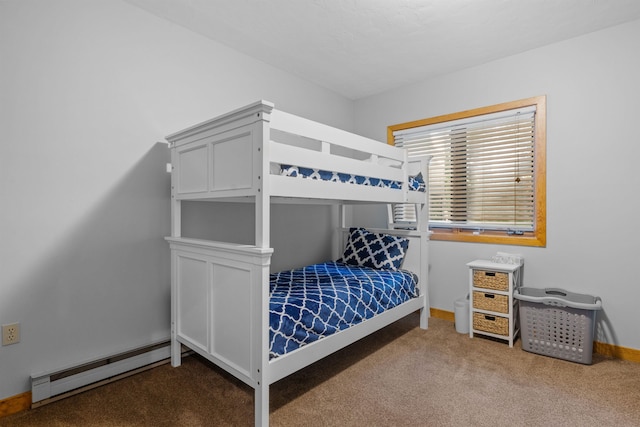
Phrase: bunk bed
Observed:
(227, 305)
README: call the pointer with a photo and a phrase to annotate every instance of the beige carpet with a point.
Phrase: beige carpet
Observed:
(400, 376)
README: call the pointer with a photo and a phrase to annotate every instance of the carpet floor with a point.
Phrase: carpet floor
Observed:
(399, 376)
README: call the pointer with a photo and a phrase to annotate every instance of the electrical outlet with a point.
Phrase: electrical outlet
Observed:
(11, 334)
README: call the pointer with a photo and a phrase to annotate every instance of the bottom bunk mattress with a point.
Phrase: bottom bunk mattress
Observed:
(312, 302)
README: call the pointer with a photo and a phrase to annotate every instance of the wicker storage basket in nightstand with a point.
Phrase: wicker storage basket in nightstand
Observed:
(491, 280)
(490, 301)
(493, 324)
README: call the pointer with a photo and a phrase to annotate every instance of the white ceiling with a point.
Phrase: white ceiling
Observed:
(359, 48)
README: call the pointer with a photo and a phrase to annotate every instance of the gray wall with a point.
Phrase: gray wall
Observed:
(592, 88)
(88, 91)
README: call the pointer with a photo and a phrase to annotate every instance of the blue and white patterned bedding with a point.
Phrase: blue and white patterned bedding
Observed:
(318, 300)
(416, 183)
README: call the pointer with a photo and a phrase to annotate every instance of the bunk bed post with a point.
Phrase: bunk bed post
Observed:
(176, 231)
(390, 217)
(422, 216)
(176, 356)
(425, 311)
(262, 406)
(262, 205)
(176, 218)
(261, 140)
(337, 246)
(176, 210)
(262, 376)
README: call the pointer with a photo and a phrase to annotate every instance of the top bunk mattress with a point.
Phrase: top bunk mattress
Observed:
(415, 182)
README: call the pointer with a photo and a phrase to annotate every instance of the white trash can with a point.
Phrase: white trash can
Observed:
(461, 313)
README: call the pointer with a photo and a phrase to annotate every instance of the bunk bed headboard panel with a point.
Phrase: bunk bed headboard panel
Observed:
(216, 163)
(213, 283)
(222, 156)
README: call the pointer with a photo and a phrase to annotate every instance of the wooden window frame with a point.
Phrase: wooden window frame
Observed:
(538, 237)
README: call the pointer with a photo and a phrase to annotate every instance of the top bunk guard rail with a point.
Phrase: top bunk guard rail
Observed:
(239, 154)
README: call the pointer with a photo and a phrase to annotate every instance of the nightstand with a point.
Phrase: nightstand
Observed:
(493, 310)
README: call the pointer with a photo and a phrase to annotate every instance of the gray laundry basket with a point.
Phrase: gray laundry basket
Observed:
(557, 323)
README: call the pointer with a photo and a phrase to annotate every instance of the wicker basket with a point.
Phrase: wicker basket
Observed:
(491, 280)
(558, 323)
(494, 324)
(491, 302)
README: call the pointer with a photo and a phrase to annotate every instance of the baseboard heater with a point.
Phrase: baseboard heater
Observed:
(47, 387)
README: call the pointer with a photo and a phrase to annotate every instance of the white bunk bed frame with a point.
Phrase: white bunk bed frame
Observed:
(219, 290)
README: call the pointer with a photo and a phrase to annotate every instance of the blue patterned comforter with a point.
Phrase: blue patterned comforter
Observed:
(315, 301)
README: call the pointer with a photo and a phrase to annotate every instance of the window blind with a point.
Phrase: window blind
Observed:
(481, 175)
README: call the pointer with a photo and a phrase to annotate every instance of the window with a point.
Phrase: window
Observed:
(487, 176)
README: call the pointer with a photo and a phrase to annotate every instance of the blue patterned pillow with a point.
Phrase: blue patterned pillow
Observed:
(416, 183)
(367, 249)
